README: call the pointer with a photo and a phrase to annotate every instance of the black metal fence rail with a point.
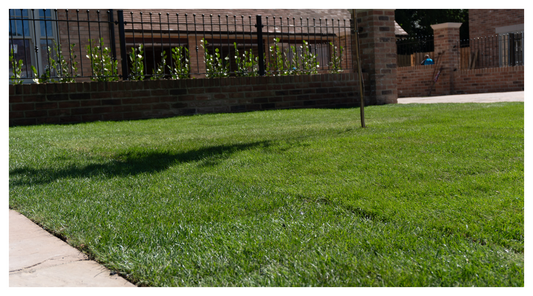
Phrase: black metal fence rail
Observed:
(60, 45)
(500, 50)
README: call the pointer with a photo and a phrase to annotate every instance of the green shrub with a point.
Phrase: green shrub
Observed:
(309, 62)
(335, 65)
(104, 66)
(159, 72)
(137, 63)
(181, 68)
(215, 65)
(58, 69)
(17, 68)
(247, 65)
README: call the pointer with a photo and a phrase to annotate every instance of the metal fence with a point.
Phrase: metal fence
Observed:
(482, 52)
(493, 51)
(411, 50)
(73, 45)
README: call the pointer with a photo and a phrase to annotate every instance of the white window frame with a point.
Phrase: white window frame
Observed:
(36, 25)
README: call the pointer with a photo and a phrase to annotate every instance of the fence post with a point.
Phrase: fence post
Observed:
(122, 38)
(112, 34)
(378, 54)
(447, 56)
(259, 26)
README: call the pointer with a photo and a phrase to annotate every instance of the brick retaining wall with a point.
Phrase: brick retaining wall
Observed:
(416, 81)
(130, 100)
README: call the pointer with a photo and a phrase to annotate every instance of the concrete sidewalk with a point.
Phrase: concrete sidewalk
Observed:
(517, 96)
(39, 259)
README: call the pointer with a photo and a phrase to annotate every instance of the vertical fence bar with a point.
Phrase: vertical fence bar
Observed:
(195, 41)
(112, 34)
(251, 36)
(122, 40)
(268, 69)
(161, 42)
(47, 45)
(143, 40)
(229, 49)
(100, 36)
(68, 40)
(153, 44)
(90, 42)
(57, 43)
(79, 37)
(259, 26)
(169, 43)
(36, 45)
(327, 32)
(133, 37)
(11, 46)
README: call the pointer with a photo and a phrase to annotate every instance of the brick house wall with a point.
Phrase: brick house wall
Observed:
(483, 22)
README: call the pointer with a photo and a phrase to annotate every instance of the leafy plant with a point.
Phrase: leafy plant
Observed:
(335, 64)
(277, 60)
(137, 63)
(215, 65)
(66, 73)
(104, 66)
(309, 62)
(180, 58)
(49, 70)
(247, 65)
(58, 69)
(296, 63)
(159, 72)
(17, 68)
(43, 78)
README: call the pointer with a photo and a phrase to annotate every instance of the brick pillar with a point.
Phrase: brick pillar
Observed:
(378, 54)
(446, 56)
(196, 53)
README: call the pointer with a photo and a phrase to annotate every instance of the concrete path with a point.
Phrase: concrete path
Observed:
(39, 259)
(517, 96)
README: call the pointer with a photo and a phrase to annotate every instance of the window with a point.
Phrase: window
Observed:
(32, 37)
(511, 45)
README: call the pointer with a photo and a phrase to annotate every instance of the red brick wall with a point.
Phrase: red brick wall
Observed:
(483, 22)
(130, 100)
(416, 81)
(490, 80)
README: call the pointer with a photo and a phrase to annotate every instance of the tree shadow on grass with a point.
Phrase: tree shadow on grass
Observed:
(130, 163)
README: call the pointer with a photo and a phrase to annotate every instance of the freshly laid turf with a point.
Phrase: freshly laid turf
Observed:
(426, 195)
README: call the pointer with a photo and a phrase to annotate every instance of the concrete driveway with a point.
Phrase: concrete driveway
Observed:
(517, 96)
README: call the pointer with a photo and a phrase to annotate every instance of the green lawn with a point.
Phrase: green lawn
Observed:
(426, 195)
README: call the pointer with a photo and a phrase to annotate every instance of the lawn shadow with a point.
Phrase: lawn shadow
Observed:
(129, 163)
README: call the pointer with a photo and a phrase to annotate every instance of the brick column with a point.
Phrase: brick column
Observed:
(378, 54)
(446, 55)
